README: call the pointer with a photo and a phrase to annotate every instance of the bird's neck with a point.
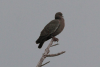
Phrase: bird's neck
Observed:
(58, 17)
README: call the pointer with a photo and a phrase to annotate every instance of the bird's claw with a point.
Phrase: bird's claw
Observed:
(55, 39)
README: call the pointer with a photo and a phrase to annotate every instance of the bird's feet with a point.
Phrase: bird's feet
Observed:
(55, 39)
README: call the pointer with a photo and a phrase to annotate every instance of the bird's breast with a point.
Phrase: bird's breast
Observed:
(60, 28)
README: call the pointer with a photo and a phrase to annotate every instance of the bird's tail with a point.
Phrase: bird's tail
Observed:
(41, 44)
(39, 39)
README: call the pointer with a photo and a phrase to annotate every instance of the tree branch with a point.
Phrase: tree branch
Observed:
(45, 53)
(46, 63)
(52, 55)
(54, 45)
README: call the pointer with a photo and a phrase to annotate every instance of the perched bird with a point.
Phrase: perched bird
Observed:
(52, 29)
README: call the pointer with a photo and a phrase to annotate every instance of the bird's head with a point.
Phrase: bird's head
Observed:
(58, 15)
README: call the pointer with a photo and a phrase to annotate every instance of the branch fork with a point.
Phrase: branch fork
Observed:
(46, 54)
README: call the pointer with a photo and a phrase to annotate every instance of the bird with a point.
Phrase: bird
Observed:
(52, 29)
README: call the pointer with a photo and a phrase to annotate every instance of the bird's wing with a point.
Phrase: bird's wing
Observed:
(50, 28)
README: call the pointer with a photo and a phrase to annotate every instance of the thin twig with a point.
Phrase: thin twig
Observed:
(52, 55)
(45, 63)
(54, 45)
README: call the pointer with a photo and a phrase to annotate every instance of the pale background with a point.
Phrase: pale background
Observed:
(22, 20)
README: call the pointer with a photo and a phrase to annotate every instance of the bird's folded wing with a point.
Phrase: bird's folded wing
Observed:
(50, 28)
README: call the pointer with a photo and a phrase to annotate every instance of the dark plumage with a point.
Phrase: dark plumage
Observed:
(52, 29)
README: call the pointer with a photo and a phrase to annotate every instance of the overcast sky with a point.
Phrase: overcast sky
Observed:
(21, 22)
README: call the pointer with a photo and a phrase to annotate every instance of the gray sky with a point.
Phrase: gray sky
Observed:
(22, 20)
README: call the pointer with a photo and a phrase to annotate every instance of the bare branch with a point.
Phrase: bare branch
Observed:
(45, 53)
(52, 55)
(54, 45)
(46, 63)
